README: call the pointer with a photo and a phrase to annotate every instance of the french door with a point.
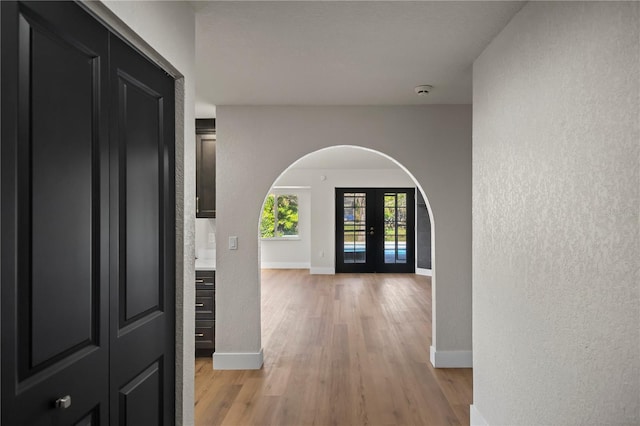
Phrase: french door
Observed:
(375, 230)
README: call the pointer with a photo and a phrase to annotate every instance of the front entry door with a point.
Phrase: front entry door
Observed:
(87, 224)
(375, 230)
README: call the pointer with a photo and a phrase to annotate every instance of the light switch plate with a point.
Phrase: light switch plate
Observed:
(233, 243)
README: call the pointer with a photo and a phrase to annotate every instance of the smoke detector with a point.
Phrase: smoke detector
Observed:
(423, 90)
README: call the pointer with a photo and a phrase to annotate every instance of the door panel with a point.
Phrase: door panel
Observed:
(375, 230)
(90, 419)
(62, 171)
(140, 254)
(54, 214)
(141, 399)
(143, 241)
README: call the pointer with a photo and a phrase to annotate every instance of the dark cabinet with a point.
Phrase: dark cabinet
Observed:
(205, 312)
(206, 168)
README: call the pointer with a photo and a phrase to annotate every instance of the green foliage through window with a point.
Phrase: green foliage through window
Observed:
(279, 216)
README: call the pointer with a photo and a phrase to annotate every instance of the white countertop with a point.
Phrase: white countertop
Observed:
(206, 260)
(206, 264)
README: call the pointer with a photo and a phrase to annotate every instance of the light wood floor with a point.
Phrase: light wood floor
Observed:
(349, 349)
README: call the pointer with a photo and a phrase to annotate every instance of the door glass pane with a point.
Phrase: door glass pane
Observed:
(402, 215)
(389, 215)
(390, 211)
(401, 245)
(395, 228)
(348, 215)
(348, 252)
(402, 200)
(354, 227)
(360, 248)
(389, 246)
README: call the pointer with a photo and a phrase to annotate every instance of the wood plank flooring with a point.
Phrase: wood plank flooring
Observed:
(349, 349)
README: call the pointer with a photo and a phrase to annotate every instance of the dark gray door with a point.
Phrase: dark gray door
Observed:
(64, 333)
(142, 240)
(55, 221)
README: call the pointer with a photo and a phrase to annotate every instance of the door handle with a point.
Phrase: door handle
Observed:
(197, 204)
(199, 305)
(199, 335)
(64, 402)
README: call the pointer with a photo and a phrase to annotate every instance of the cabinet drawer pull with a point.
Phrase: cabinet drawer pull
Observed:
(199, 305)
(199, 335)
(199, 281)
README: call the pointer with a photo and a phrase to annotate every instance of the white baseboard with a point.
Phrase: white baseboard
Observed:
(476, 417)
(285, 265)
(425, 272)
(238, 361)
(451, 359)
(322, 271)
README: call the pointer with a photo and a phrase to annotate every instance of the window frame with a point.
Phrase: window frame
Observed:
(276, 194)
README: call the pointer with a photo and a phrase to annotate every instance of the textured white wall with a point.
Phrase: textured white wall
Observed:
(169, 28)
(255, 144)
(556, 252)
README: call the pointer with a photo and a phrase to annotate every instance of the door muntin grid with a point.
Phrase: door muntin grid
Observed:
(395, 227)
(355, 227)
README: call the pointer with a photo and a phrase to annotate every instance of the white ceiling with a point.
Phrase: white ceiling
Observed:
(345, 157)
(340, 52)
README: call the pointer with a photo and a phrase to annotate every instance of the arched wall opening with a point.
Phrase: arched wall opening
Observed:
(255, 144)
(313, 179)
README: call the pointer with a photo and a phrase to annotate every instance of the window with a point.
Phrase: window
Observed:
(279, 216)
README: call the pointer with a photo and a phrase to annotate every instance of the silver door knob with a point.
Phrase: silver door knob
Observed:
(64, 402)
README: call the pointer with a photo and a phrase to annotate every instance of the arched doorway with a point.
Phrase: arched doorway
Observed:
(306, 189)
(321, 172)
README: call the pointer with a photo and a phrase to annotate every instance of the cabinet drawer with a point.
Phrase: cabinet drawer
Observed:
(205, 334)
(205, 307)
(205, 279)
(205, 304)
